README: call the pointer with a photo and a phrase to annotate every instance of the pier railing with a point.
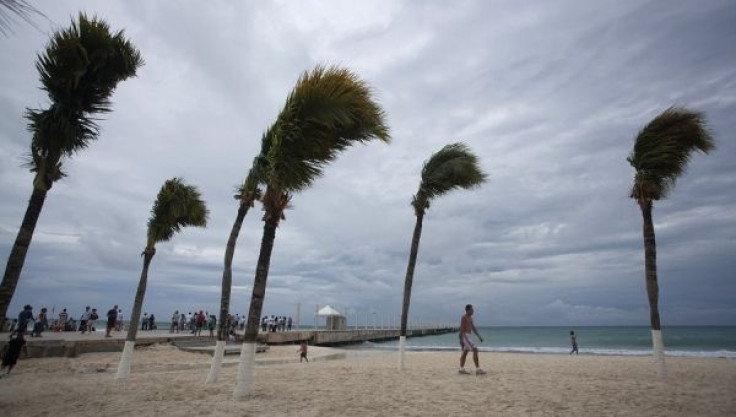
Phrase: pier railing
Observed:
(340, 337)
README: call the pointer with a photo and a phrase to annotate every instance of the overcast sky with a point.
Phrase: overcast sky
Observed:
(550, 95)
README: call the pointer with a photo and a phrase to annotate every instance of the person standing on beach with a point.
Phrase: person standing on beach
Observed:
(93, 316)
(112, 318)
(41, 323)
(83, 320)
(61, 322)
(174, 322)
(119, 321)
(192, 320)
(303, 351)
(466, 327)
(24, 317)
(574, 341)
(199, 322)
(211, 324)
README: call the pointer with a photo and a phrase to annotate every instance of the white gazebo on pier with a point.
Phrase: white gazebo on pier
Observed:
(334, 319)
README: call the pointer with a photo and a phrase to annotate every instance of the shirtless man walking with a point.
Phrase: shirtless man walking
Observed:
(466, 327)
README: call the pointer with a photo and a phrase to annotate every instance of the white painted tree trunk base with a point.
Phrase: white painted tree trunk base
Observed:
(658, 345)
(245, 371)
(125, 360)
(402, 350)
(216, 362)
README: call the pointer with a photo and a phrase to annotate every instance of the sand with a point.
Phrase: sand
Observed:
(168, 382)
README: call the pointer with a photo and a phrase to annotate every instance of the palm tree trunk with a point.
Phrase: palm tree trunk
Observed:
(407, 287)
(127, 357)
(20, 249)
(247, 355)
(650, 262)
(227, 282)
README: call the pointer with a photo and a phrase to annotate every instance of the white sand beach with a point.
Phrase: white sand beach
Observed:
(168, 382)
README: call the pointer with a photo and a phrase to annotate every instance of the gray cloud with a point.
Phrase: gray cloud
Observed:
(549, 94)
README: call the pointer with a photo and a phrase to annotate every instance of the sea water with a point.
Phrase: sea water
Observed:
(690, 341)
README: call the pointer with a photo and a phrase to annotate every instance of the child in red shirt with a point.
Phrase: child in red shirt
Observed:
(303, 352)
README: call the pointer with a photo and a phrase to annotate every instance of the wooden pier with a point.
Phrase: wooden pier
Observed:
(343, 337)
(72, 344)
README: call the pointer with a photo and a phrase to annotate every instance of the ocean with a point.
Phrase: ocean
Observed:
(688, 341)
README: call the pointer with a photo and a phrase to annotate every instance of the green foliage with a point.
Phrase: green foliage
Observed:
(454, 166)
(79, 69)
(177, 205)
(328, 110)
(257, 172)
(663, 149)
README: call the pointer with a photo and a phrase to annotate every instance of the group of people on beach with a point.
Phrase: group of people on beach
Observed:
(276, 323)
(17, 343)
(193, 322)
(196, 322)
(203, 320)
(63, 322)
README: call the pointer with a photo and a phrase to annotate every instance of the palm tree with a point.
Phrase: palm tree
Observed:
(177, 205)
(79, 70)
(661, 153)
(328, 110)
(248, 193)
(454, 166)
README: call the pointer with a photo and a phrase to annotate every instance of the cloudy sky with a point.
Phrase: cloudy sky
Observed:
(550, 95)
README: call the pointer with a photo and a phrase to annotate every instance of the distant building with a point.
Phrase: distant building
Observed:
(334, 319)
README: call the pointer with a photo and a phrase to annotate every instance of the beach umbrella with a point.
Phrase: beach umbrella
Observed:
(79, 70)
(454, 166)
(328, 110)
(177, 205)
(661, 154)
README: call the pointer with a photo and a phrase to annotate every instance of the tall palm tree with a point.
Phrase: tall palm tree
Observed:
(454, 166)
(661, 153)
(328, 110)
(79, 70)
(248, 193)
(177, 205)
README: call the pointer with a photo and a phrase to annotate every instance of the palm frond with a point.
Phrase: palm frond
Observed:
(19, 8)
(328, 110)
(663, 149)
(248, 190)
(454, 166)
(177, 205)
(79, 69)
(48, 168)
(82, 65)
(60, 131)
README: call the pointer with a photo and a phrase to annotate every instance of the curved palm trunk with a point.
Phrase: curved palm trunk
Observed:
(407, 288)
(247, 354)
(20, 249)
(127, 357)
(227, 281)
(650, 262)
